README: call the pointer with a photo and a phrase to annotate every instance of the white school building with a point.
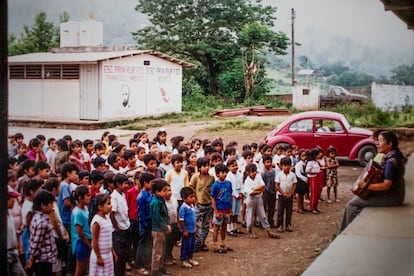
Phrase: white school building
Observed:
(95, 86)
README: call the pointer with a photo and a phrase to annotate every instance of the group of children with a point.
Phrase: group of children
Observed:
(102, 206)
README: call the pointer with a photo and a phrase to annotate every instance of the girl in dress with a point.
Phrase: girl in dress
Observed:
(103, 254)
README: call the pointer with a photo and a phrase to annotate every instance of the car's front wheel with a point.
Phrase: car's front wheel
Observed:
(366, 153)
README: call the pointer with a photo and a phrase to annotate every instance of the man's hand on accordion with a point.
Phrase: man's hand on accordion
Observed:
(362, 183)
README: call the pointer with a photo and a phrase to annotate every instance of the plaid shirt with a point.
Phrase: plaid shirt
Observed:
(42, 244)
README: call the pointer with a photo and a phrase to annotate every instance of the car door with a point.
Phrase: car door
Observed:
(331, 132)
(301, 131)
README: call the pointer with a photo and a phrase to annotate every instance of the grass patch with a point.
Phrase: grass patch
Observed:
(144, 123)
(237, 124)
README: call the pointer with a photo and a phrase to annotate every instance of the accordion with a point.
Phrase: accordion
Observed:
(372, 173)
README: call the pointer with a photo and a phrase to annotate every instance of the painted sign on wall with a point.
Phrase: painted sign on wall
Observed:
(140, 85)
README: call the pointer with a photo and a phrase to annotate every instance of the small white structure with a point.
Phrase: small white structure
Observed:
(85, 33)
(305, 97)
(97, 86)
(389, 97)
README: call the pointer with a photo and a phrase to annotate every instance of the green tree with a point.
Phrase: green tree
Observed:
(403, 74)
(305, 62)
(351, 78)
(336, 68)
(204, 31)
(255, 40)
(41, 37)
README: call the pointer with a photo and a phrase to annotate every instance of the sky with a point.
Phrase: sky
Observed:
(359, 33)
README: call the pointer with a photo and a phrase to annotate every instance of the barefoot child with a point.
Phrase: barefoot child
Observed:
(332, 173)
(103, 254)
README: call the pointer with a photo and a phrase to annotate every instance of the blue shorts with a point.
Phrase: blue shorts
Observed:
(82, 251)
(236, 206)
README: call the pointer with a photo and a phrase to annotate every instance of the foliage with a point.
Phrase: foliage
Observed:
(194, 99)
(368, 115)
(351, 78)
(231, 81)
(403, 74)
(305, 62)
(336, 68)
(41, 37)
(202, 31)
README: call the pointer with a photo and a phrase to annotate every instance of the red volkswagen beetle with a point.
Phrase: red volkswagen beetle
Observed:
(324, 129)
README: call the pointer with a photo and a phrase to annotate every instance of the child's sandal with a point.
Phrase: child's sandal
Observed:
(142, 271)
(227, 248)
(220, 250)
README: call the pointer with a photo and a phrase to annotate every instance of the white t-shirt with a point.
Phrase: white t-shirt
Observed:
(250, 185)
(300, 171)
(212, 171)
(50, 156)
(26, 208)
(312, 166)
(177, 182)
(276, 160)
(286, 181)
(120, 208)
(172, 207)
(236, 183)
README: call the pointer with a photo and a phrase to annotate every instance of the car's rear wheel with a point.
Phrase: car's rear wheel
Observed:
(277, 145)
(366, 153)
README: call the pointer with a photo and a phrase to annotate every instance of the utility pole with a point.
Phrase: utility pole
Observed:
(293, 47)
(3, 135)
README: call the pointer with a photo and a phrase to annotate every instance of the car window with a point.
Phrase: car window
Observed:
(332, 126)
(301, 126)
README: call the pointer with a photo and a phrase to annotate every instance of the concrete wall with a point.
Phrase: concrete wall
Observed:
(122, 88)
(44, 99)
(132, 88)
(305, 97)
(389, 97)
(363, 90)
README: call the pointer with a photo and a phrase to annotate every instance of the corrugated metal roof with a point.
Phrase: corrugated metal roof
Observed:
(404, 9)
(89, 57)
(305, 72)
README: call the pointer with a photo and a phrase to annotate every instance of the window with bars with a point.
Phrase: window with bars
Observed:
(50, 71)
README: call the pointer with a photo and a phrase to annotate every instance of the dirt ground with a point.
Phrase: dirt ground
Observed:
(295, 251)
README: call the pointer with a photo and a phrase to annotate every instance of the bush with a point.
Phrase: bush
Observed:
(368, 115)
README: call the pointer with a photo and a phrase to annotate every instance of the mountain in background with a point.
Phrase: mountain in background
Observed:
(360, 33)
